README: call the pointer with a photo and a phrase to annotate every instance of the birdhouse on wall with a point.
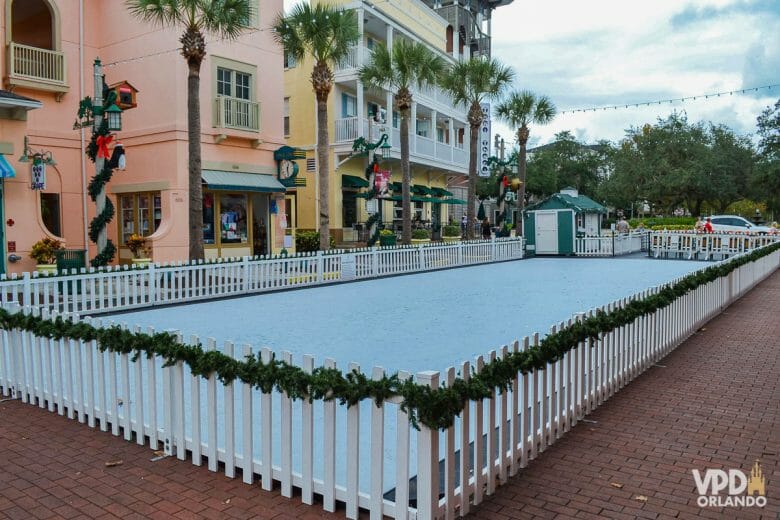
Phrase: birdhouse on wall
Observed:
(125, 95)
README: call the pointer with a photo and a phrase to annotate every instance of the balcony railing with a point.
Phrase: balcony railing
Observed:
(239, 114)
(34, 64)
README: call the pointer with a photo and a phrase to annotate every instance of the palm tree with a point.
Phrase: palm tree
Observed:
(224, 18)
(325, 33)
(519, 110)
(409, 65)
(470, 83)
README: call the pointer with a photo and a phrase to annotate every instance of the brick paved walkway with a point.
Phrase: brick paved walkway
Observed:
(714, 405)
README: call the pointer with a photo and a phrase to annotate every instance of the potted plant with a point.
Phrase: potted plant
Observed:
(451, 233)
(44, 252)
(421, 236)
(386, 237)
(137, 245)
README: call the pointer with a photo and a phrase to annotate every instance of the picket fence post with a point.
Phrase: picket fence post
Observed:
(427, 459)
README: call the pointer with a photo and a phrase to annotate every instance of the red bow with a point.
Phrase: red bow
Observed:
(505, 181)
(102, 143)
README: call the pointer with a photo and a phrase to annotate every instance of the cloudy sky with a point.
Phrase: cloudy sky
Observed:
(617, 52)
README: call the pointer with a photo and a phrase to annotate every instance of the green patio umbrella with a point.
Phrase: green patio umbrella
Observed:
(481, 211)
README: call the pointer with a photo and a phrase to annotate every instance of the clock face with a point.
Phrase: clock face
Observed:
(286, 169)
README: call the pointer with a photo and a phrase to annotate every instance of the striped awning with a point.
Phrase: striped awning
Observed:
(6, 170)
(240, 181)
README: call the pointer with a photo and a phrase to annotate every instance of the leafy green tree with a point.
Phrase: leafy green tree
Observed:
(326, 34)
(471, 83)
(519, 110)
(765, 183)
(409, 65)
(224, 18)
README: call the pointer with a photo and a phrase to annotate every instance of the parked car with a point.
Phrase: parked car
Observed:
(733, 223)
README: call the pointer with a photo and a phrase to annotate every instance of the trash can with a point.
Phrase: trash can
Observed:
(68, 259)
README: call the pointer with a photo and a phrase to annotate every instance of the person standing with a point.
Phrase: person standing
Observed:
(622, 226)
(699, 226)
(708, 226)
(486, 229)
(463, 223)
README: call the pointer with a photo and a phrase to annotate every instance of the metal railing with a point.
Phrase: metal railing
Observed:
(32, 63)
(240, 114)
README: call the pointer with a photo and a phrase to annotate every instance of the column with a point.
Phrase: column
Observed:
(389, 94)
(413, 128)
(434, 132)
(360, 47)
(361, 112)
(453, 139)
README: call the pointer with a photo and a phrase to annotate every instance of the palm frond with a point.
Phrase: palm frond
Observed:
(158, 12)
(323, 31)
(224, 18)
(476, 80)
(378, 72)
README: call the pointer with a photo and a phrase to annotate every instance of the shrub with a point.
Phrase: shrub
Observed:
(652, 222)
(421, 234)
(673, 227)
(386, 232)
(452, 231)
(309, 241)
(43, 251)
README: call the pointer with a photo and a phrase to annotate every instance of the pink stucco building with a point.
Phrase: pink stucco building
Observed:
(50, 47)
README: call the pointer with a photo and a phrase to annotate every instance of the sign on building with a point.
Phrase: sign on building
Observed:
(38, 174)
(484, 142)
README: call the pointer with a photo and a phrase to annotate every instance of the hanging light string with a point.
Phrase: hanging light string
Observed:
(672, 100)
(177, 49)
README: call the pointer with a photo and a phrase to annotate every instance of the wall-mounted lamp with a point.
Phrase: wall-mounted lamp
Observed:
(43, 156)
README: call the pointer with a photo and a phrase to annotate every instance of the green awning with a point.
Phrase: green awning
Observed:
(422, 190)
(395, 186)
(441, 192)
(240, 181)
(454, 201)
(361, 195)
(351, 181)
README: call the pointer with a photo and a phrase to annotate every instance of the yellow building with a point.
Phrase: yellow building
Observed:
(439, 132)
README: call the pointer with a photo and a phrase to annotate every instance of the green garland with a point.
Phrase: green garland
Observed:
(432, 408)
(96, 185)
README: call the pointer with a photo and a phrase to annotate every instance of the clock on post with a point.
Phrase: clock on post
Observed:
(286, 167)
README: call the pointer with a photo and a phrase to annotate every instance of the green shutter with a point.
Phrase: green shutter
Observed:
(566, 232)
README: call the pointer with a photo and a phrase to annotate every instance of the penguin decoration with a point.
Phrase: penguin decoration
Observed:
(118, 157)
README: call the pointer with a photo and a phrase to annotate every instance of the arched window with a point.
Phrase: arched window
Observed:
(33, 24)
(449, 38)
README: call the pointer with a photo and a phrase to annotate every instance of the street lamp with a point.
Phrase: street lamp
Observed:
(114, 118)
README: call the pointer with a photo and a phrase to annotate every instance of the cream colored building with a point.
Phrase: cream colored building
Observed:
(439, 132)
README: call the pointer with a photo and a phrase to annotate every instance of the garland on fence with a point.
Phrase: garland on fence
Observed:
(432, 408)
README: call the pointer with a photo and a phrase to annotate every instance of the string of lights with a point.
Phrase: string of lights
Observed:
(672, 100)
(177, 49)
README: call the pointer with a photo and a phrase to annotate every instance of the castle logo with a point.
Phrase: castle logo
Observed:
(732, 488)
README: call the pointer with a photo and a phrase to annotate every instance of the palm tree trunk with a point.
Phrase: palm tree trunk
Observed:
(406, 236)
(324, 172)
(522, 138)
(195, 180)
(471, 211)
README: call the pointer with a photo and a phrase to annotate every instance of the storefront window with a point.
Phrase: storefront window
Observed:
(232, 218)
(208, 218)
(139, 213)
(50, 212)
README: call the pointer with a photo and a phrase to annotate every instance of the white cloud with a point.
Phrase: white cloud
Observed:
(607, 53)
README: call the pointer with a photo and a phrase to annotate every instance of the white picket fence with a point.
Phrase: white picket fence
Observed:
(122, 288)
(705, 246)
(489, 442)
(610, 245)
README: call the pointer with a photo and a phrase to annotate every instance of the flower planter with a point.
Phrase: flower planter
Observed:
(451, 239)
(387, 240)
(421, 241)
(47, 269)
(142, 262)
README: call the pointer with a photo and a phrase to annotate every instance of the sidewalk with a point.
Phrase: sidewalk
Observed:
(713, 404)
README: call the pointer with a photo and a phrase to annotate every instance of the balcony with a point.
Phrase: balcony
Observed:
(35, 68)
(422, 149)
(237, 114)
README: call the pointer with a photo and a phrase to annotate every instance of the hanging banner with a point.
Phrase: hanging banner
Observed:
(484, 142)
(381, 182)
(38, 173)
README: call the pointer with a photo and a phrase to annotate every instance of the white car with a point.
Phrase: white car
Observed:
(732, 223)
